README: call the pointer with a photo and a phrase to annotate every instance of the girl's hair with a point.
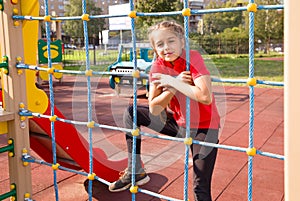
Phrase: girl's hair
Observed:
(166, 25)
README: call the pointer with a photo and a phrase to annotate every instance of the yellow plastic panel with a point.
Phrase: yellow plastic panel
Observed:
(37, 99)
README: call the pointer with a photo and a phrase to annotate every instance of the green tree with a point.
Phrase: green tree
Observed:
(268, 24)
(143, 23)
(217, 22)
(74, 28)
(237, 37)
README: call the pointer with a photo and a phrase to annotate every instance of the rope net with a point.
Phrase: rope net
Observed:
(90, 124)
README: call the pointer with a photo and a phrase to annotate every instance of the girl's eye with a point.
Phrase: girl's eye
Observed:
(159, 45)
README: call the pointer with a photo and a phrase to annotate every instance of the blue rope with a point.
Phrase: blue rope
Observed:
(134, 59)
(251, 101)
(187, 146)
(155, 14)
(89, 101)
(162, 137)
(51, 95)
(142, 75)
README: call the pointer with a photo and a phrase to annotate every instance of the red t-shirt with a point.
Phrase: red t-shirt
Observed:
(201, 115)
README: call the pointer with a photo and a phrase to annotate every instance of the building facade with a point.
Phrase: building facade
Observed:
(57, 8)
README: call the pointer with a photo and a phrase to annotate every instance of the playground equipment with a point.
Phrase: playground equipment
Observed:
(18, 105)
(125, 67)
(56, 58)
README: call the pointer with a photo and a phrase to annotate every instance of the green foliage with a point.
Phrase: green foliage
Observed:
(269, 24)
(227, 32)
(74, 28)
(231, 41)
(218, 22)
(150, 6)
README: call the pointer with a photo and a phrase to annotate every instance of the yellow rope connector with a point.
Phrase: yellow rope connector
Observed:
(134, 189)
(12, 198)
(22, 118)
(21, 105)
(85, 17)
(27, 195)
(251, 81)
(251, 151)
(90, 124)
(136, 74)
(53, 118)
(186, 12)
(25, 163)
(135, 132)
(252, 7)
(188, 141)
(89, 73)
(24, 151)
(47, 18)
(91, 176)
(55, 166)
(19, 59)
(16, 23)
(15, 11)
(20, 72)
(132, 14)
(50, 70)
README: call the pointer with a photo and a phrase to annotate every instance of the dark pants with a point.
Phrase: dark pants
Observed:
(203, 157)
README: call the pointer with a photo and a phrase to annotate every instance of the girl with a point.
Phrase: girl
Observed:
(170, 84)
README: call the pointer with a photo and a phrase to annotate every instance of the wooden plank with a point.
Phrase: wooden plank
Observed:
(14, 89)
(7, 116)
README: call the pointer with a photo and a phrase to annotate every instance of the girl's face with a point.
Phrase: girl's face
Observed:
(167, 44)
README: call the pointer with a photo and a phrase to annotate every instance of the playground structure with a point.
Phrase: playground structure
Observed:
(16, 97)
(124, 65)
(56, 58)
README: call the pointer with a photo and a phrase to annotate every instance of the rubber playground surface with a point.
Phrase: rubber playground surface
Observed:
(164, 160)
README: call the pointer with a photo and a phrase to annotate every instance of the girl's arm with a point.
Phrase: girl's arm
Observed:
(200, 92)
(159, 98)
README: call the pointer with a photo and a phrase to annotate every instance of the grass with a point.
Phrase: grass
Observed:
(229, 67)
(101, 68)
(222, 66)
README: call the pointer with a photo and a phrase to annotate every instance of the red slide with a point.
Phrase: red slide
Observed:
(72, 148)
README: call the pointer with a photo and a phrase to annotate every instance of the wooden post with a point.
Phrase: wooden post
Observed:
(291, 100)
(15, 93)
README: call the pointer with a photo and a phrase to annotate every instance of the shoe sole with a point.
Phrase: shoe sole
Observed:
(138, 183)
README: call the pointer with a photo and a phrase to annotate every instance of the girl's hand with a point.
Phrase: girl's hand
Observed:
(185, 76)
(166, 82)
(163, 80)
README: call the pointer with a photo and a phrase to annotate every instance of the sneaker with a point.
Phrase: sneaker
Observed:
(124, 181)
